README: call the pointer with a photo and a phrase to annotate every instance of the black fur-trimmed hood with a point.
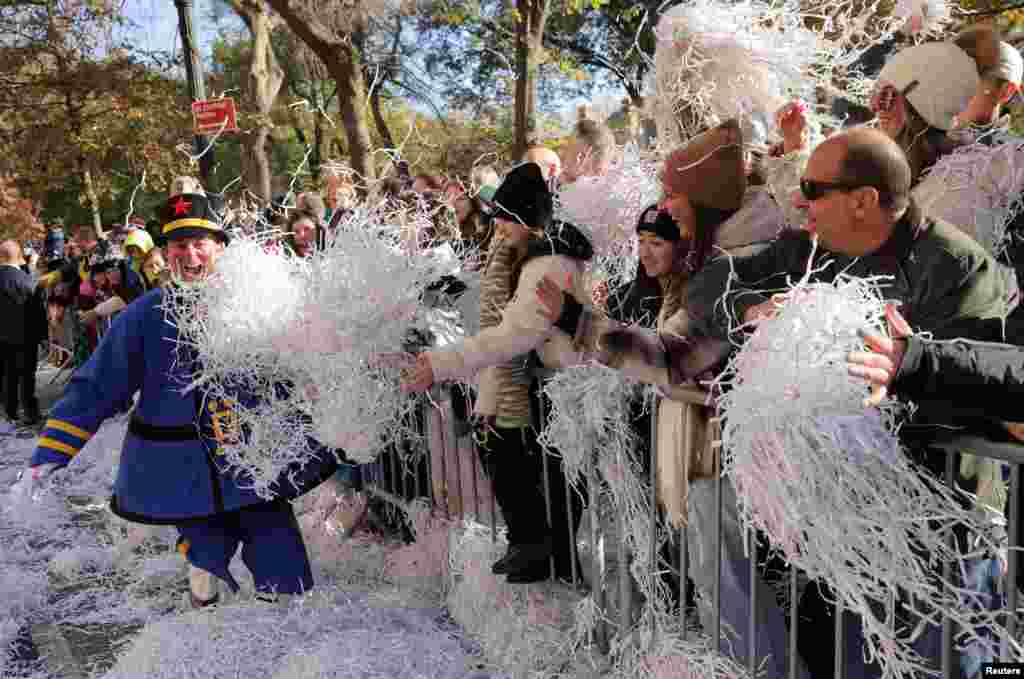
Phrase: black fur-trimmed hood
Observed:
(561, 238)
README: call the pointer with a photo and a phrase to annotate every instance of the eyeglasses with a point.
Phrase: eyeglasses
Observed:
(813, 189)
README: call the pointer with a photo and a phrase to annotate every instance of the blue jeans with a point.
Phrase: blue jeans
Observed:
(983, 578)
(771, 645)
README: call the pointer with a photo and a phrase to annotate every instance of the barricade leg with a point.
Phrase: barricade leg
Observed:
(720, 546)
(1012, 557)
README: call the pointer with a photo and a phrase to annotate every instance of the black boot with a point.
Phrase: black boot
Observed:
(538, 571)
(528, 559)
(500, 567)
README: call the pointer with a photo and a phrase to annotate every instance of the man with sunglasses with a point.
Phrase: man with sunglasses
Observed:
(855, 192)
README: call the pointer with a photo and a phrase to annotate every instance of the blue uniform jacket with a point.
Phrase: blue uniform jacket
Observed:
(169, 472)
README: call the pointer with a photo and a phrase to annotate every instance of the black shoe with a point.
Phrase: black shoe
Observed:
(523, 557)
(500, 567)
(30, 420)
(538, 572)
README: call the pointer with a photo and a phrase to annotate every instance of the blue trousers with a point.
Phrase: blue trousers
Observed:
(983, 580)
(272, 547)
(771, 642)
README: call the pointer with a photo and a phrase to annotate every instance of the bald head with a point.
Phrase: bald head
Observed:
(549, 162)
(870, 158)
(10, 252)
(855, 189)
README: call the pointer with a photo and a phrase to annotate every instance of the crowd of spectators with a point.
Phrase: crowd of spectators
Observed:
(725, 230)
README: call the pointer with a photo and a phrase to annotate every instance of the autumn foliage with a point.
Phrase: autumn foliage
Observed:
(18, 216)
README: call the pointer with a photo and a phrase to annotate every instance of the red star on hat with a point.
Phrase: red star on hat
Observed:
(182, 207)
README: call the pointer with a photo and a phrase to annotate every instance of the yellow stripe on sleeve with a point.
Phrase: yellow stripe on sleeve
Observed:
(58, 446)
(68, 429)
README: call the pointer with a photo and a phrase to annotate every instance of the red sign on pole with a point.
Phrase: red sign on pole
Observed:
(214, 115)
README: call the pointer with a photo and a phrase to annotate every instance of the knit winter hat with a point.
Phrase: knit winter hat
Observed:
(709, 170)
(937, 78)
(660, 223)
(524, 197)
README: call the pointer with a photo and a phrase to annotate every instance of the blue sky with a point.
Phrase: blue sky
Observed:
(156, 25)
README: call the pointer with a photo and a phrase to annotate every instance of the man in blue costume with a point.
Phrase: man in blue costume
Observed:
(171, 471)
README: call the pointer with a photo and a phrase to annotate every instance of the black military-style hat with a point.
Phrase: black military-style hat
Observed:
(189, 215)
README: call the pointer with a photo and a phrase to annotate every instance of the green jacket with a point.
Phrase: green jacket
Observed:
(944, 279)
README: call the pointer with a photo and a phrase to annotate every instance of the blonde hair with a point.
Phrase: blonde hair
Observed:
(597, 137)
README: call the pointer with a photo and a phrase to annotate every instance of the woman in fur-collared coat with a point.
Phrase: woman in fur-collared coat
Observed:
(527, 247)
(713, 214)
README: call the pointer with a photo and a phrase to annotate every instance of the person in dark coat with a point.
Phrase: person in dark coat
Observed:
(968, 374)
(16, 290)
(37, 331)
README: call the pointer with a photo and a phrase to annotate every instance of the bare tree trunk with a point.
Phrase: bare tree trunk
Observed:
(94, 204)
(521, 120)
(265, 77)
(378, 119)
(529, 39)
(342, 61)
(351, 101)
(317, 157)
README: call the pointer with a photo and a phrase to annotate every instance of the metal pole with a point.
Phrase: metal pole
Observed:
(752, 622)
(453, 442)
(947, 577)
(684, 557)
(793, 608)
(716, 625)
(1012, 529)
(404, 469)
(395, 462)
(599, 561)
(571, 524)
(426, 416)
(652, 555)
(438, 418)
(196, 84)
(547, 501)
(684, 576)
(474, 470)
(625, 587)
(840, 664)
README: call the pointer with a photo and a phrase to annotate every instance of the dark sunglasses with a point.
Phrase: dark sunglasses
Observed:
(813, 189)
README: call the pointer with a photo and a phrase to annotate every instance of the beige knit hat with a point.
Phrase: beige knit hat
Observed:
(937, 78)
(709, 170)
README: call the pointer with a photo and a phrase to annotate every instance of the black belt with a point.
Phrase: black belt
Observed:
(152, 432)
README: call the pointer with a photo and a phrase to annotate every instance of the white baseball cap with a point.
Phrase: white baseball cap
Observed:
(937, 78)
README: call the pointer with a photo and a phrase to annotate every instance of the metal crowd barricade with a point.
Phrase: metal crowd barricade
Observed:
(450, 475)
(443, 468)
